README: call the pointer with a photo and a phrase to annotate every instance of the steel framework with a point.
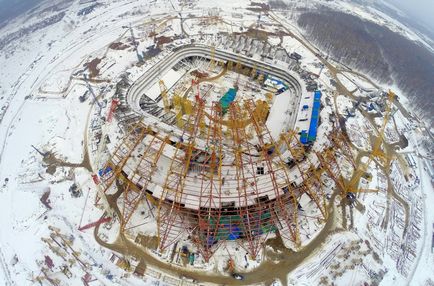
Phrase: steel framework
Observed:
(219, 180)
(340, 148)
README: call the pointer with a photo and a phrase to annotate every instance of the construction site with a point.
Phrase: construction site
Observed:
(217, 152)
(210, 158)
(199, 145)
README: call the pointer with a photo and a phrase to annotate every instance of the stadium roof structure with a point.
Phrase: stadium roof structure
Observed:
(224, 179)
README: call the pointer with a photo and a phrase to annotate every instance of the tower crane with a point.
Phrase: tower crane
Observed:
(353, 185)
(163, 90)
(135, 44)
(92, 92)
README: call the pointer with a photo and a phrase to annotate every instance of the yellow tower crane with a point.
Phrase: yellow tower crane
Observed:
(353, 184)
(238, 66)
(253, 72)
(164, 91)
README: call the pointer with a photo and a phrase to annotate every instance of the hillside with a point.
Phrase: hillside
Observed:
(377, 51)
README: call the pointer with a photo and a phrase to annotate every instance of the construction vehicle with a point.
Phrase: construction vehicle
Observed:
(237, 276)
(184, 251)
(231, 269)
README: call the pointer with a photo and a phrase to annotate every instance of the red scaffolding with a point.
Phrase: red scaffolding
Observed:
(217, 182)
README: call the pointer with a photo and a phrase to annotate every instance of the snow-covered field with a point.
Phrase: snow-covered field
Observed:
(40, 86)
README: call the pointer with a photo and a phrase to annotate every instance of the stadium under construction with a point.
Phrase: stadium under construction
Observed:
(216, 145)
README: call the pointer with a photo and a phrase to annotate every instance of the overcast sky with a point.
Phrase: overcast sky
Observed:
(422, 10)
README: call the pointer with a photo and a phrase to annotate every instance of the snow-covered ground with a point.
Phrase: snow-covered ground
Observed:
(40, 86)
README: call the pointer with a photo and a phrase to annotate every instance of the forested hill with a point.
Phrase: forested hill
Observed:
(379, 52)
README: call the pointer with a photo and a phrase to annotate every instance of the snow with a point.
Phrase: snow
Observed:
(343, 104)
(169, 79)
(357, 80)
(367, 12)
(280, 113)
(422, 271)
(358, 131)
(349, 84)
(40, 107)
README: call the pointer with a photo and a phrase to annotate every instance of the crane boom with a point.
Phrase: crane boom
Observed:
(91, 91)
(135, 44)
(95, 223)
(376, 149)
(163, 90)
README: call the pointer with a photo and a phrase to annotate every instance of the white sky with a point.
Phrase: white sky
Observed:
(422, 9)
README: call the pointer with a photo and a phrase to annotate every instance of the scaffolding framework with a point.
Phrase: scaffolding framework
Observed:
(170, 218)
(211, 183)
(308, 171)
(225, 178)
(287, 217)
(113, 169)
(138, 182)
